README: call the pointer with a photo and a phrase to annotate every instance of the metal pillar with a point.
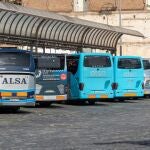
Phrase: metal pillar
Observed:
(120, 25)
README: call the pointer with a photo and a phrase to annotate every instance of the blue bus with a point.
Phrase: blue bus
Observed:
(146, 63)
(51, 78)
(129, 76)
(17, 78)
(90, 76)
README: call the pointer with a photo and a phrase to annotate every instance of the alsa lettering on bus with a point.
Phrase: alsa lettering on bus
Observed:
(14, 81)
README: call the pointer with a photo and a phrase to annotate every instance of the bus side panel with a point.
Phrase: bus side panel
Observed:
(129, 81)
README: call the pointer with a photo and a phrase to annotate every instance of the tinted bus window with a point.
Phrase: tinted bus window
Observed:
(127, 63)
(14, 59)
(50, 63)
(97, 61)
(146, 64)
(72, 64)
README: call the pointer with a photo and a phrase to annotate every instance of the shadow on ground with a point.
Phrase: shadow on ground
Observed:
(79, 103)
(53, 106)
(10, 111)
(143, 143)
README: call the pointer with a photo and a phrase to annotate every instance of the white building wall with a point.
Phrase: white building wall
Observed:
(136, 20)
(80, 5)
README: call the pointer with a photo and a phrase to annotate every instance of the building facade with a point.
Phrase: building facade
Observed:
(135, 14)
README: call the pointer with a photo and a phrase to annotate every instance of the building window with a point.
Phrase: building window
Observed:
(17, 2)
(148, 4)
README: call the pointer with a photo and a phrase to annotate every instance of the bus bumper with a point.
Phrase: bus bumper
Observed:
(146, 92)
(129, 94)
(104, 95)
(50, 98)
(12, 102)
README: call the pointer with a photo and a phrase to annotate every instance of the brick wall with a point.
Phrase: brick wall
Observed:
(98, 5)
(51, 5)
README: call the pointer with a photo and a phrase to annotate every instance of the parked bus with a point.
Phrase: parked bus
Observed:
(51, 78)
(90, 76)
(17, 78)
(146, 63)
(129, 76)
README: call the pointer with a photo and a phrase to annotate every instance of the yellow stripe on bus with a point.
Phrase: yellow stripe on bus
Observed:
(91, 96)
(60, 97)
(104, 96)
(22, 94)
(4, 94)
(39, 97)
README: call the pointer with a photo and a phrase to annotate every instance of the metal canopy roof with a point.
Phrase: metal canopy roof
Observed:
(31, 27)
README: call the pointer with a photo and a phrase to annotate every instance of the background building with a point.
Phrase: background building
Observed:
(135, 14)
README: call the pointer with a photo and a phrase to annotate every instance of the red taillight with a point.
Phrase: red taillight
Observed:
(114, 86)
(63, 76)
(81, 86)
(142, 85)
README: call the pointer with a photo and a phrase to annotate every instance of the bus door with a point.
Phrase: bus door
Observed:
(51, 78)
(129, 76)
(97, 76)
(73, 76)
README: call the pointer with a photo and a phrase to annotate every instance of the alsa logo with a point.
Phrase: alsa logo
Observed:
(14, 81)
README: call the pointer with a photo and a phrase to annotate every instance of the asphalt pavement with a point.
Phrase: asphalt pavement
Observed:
(104, 126)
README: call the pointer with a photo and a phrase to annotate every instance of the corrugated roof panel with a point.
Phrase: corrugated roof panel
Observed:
(25, 26)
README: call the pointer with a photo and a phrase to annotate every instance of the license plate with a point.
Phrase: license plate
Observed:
(130, 94)
(103, 96)
(91, 96)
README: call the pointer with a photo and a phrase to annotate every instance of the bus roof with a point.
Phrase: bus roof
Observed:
(128, 57)
(13, 50)
(90, 54)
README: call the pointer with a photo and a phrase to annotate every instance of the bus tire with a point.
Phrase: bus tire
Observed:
(15, 109)
(45, 104)
(91, 102)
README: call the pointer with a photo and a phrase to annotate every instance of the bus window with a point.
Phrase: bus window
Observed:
(72, 64)
(146, 64)
(14, 59)
(97, 61)
(129, 63)
(52, 63)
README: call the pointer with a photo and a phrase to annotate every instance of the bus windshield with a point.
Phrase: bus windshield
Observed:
(14, 59)
(129, 63)
(146, 64)
(50, 62)
(97, 61)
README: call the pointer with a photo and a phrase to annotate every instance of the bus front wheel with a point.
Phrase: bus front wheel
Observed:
(15, 109)
(45, 104)
(91, 102)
